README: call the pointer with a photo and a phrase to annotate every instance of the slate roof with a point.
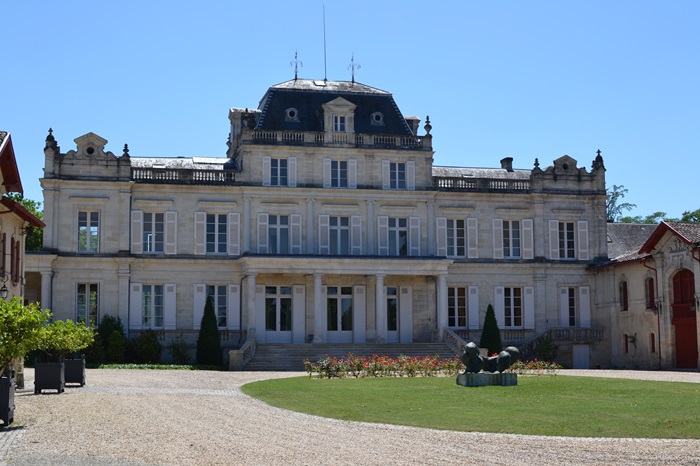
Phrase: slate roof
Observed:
(626, 239)
(182, 163)
(490, 173)
(307, 96)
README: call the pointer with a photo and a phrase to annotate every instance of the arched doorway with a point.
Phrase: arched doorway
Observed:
(684, 320)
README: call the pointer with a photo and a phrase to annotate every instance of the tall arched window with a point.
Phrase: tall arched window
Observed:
(624, 299)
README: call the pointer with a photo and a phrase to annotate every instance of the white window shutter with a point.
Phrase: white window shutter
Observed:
(383, 235)
(414, 236)
(499, 306)
(352, 173)
(472, 239)
(583, 240)
(411, 175)
(473, 307)
(554, 239)
(136, 232)
(529, 308)
(262, 234)
(135, 309)
(266, 171)
(441, 236)
(584, 302)
(295, 233)
(356, 235)
(199, 301)
(528, 249)
(326, 173)
(564, 307)
(324, 247)
(233, 308)
(292, 172)
(170, 306)
(234, 234)
(497, 238)
(170, 232)
(200, 228)
(386, 172)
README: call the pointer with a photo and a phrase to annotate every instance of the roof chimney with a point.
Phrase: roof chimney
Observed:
(413, 122)
(507, 164)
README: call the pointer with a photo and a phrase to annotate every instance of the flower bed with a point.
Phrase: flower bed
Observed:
(534, 367)
(383, 366)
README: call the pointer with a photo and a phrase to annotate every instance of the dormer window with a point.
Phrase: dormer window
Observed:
(376, 119)
(291, 114)
(339, 125)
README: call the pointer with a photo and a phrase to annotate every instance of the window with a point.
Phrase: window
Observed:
(652, 343)
(511, 238)
(86, 304)
(397, 175)
(218, 296)
(153, 232)
(398, 237)
(457, 307)
(339, 174)
(278, 172)
(3, 268)
(339, 124)
(624, 300)
(339, 308)
(513, 307)
(278, 308)
(392, 308)
(626, 342)
(152, 306)
(278, 234)
(567, 247)
(340, 236)
(456, 238)
(650, 292)
(88, 232)
(571, 305)
(216, 233)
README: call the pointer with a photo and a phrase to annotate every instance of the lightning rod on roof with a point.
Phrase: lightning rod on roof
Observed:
(353, 66)
(325, 72)
(296, 63)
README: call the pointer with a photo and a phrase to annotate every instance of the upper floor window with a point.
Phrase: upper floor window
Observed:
(397, 175)
(511, 238)
(278, 234)
(217, 240)
(624, 298)
(88, 232)
(398, 236)
(456, 238)
(339, 235)
(513, 307)
(339, 174)
(152, 306)
(86, 304)
(218, 296)
(567, 246)
(568, 239)
(153, 232)
(278, 172)
(339, 124)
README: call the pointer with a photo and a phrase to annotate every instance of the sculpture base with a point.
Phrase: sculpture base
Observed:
(482, 379)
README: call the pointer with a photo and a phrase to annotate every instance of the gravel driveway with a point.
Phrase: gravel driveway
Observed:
(185, 417)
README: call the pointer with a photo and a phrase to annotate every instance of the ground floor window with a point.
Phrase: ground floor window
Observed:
(278, 308)
(513, 307)
(218, 295)
(392, 308)
(86, 309)
(457, 307)
(571, 300)
(339, 308)
(152, 306)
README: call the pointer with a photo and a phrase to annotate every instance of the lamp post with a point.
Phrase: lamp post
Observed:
(4, 292)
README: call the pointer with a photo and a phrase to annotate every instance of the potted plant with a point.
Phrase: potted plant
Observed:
(20, 327)
(58, 340)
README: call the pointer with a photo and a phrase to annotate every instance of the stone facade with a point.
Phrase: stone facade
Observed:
(326, 221)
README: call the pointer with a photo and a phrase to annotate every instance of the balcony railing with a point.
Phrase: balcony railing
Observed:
(456, 183)
(330, 139)
(182, 176)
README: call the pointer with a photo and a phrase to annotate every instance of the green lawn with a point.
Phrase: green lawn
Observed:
(538, 405)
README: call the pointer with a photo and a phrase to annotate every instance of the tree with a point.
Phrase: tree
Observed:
(691, 216)
(20, 330)
(654, 218)
(613, 205)
(209, 341)
(35, 236)
(491, 335)
(62, 338)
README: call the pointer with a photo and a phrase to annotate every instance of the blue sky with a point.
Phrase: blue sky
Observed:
(498, 79)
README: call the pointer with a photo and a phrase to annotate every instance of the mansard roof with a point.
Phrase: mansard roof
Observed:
(307, 97)
(489, 173)
(181, 163)
(689, 233)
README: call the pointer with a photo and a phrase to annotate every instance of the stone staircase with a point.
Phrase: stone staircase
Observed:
(291, 357)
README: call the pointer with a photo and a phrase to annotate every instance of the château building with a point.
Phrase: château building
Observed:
(328, 221)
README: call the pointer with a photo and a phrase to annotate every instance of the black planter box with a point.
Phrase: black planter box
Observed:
(75, 371)
(49, 376)
(7, 399)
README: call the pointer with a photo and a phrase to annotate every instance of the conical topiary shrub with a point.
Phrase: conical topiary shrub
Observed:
(209, 340)
(491, 336)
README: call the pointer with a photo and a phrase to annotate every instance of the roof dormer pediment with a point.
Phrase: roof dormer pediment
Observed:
(339, 104)
(90, 145)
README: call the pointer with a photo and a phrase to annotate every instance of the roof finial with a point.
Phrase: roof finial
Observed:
(50, 140)
(295, 63)
(537, 163)
(353, 66)
(427, 126)
(126, 150)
